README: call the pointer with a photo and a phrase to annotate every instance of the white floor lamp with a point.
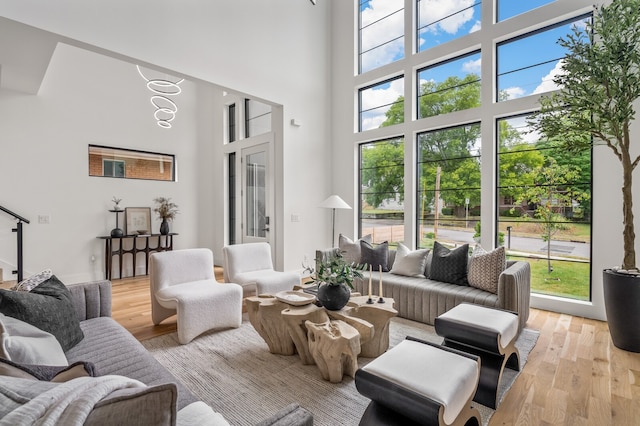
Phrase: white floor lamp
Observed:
(334, 202)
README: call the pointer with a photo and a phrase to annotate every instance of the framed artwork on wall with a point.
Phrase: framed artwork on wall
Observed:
(137, 220)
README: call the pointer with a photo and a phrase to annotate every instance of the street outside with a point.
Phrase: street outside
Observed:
(382, 229)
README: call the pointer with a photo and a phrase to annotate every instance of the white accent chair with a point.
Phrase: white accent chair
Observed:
(250, 265)
(183, 283)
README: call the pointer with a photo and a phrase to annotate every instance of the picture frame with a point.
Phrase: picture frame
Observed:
(137, 220)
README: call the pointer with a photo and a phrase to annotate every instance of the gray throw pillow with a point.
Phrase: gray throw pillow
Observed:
(154, 405)
(48, 307)
(350, 249)
(449, 266)
(375, 256)
(410, 263)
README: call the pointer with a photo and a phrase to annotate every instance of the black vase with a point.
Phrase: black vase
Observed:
(333, 297)
(622, 304)
(164, 227)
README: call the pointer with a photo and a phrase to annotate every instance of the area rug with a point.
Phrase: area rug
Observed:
(233, 372)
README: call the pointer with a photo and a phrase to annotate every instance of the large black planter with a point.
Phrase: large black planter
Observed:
(622, 304)
(333, 297)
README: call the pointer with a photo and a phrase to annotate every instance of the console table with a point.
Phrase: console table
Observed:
(163, 243)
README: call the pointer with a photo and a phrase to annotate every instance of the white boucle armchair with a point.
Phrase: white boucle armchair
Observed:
(250, 265)
(183, 283)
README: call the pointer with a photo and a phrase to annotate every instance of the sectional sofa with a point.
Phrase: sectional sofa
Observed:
(114, 351)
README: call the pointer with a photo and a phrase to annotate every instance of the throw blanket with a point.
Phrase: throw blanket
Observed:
(69, 403)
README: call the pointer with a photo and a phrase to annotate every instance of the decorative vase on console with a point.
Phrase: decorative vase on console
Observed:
(116, 203)
(116, 232)
(335, 280)
(164, 227)
(167, 211)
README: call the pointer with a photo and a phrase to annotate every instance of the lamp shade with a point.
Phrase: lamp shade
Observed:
(334, 202)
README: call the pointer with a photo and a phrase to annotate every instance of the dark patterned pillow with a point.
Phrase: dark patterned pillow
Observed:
(48, 307)
(485, 268)
(449, 266)
(33, 281)
(375, 256)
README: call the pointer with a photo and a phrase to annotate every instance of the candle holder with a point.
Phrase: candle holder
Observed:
(381, 300)
(370, 301)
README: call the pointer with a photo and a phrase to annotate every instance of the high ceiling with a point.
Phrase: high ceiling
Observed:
(25, 53)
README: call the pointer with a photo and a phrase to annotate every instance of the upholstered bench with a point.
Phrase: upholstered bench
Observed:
(486, 332)
(417, 382)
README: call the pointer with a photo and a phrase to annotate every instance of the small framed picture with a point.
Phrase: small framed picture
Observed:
(137, 220)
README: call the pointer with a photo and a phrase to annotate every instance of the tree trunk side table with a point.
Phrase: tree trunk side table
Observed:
(377, 314)
(294, 318)
(335, 346)
(323, 337)
(265, 316)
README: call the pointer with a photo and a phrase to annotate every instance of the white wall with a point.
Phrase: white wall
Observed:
(85, 99)
(276, 51)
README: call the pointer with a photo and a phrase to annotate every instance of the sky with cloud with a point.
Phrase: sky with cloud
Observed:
(382, 23)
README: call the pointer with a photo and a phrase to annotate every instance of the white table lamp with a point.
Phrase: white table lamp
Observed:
(334, 202)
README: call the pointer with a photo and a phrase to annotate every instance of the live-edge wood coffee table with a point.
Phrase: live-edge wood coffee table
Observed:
(330, 339)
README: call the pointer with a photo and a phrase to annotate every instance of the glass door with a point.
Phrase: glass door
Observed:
(256, 203)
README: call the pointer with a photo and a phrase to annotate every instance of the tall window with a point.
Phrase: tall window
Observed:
(257, 118)
(451, 86)
(544, 209)
(381, 33)
(448, 185)
(382, 190)
(532, 73)
(231, 123)
(440, 21)
(475, 67)
(231, 189)
(382, 104)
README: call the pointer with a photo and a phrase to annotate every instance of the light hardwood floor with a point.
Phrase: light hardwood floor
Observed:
(574, 375)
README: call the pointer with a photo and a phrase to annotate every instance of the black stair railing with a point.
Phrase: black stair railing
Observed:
(18, 231)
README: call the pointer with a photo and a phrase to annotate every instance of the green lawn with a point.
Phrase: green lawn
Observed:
(568, 279)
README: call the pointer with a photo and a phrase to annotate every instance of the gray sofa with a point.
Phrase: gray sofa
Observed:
(114, 351)
(423, 299)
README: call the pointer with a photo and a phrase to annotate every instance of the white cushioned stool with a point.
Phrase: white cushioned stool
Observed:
(489, 333)
(418, 382)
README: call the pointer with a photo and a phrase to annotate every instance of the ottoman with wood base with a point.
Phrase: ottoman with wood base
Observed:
(486, 332)
(420, 383)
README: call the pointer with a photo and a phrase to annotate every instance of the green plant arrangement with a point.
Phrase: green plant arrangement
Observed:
(165, 208)
(335, 281)
(336, 271)
(599, 88)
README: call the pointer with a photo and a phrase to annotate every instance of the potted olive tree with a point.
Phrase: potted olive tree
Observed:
(599, 88)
